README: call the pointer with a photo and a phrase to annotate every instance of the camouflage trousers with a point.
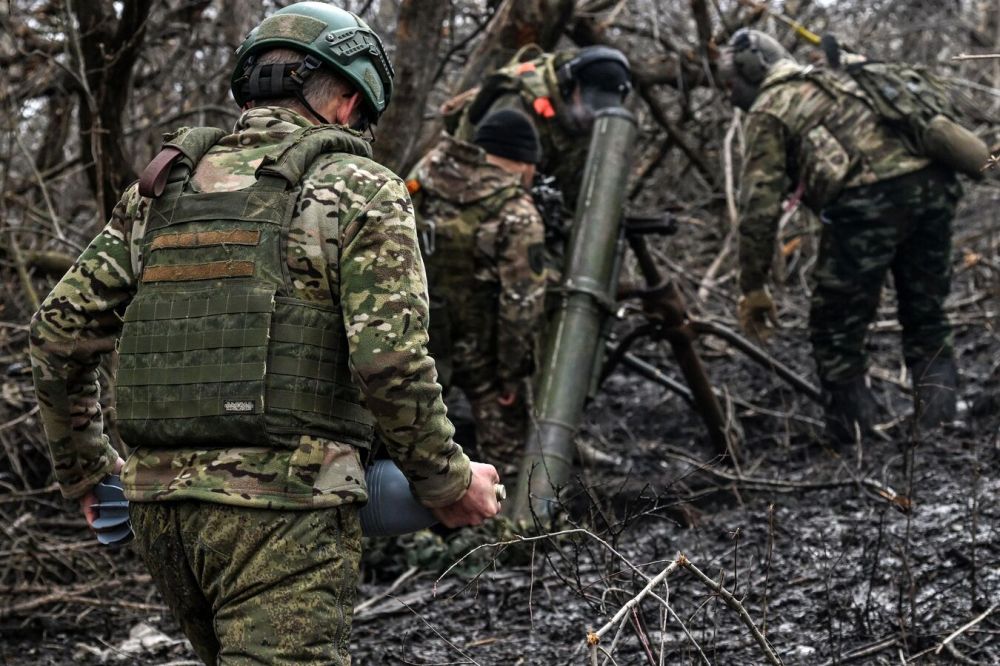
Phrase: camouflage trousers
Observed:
(501, 431)
(902, 227)
(255, 586)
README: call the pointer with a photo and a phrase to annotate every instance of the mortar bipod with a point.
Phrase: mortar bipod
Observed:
(668, 320)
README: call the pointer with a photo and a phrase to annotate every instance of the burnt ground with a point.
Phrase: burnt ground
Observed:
(840, 574)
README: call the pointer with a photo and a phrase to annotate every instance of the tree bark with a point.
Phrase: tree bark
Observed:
(418, 38)
(105, 51)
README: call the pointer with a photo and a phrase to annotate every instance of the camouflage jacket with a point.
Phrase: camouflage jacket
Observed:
(366, 259)
(488, 261)
(532, 88)
(810, 128)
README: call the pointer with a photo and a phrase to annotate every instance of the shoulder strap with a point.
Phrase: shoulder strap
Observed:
(295, 159)
(187, 146)
(527, 52)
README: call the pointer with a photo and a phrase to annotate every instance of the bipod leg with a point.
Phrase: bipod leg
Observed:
(663, 303)
(759, 356)
(654, 374)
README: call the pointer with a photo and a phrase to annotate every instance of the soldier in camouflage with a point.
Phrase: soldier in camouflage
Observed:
(268, 299)
(884, 209)
(560, 92)
(485, 265)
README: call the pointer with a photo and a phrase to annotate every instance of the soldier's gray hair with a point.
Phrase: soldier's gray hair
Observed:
(322, 86)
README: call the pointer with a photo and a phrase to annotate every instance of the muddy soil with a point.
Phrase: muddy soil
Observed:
(841, 574)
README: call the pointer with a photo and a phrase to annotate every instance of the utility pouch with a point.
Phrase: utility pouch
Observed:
(950, 144)
(825, 166)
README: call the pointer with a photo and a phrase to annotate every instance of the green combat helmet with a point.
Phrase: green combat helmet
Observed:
(329, 37)
(746, 62)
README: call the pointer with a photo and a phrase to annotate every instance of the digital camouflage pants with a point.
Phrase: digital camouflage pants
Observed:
(902, 226)
(255, 586)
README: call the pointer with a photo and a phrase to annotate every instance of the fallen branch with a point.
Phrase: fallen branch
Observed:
(864, 651)
(965, 627)
(22, 271)
(977, 56)
(593, 638)
(387, 592)
(735, 605)
(522, 539)
(900, 502)
(708, 279)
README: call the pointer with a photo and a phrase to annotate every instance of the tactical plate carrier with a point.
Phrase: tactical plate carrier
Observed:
(216, 350)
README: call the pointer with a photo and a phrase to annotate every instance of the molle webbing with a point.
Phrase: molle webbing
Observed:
(452, 266)
(216, 351)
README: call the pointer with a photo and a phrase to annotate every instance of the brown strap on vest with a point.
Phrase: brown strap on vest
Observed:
(213, 270)
(206, 239)
(154, 177)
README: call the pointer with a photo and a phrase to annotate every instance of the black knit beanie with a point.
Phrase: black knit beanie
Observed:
(510, 134)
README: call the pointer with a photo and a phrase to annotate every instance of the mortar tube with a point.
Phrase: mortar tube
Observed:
(574, 337)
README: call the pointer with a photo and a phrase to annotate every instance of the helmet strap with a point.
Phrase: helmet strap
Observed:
(280, 80)
(300, 75)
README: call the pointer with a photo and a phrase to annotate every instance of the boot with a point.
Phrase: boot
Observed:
(935, 388)
(850, 410)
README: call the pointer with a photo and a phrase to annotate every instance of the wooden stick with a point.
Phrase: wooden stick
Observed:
(976, 56)
(22, 271)
(708, 279)
(594, 637)
(965, 627)
(734, 604)
(900, 502)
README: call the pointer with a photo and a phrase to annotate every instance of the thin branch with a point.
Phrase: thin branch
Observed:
(965, 627)
(734, 604)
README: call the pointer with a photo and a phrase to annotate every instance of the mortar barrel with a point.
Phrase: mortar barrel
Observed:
(586, 299)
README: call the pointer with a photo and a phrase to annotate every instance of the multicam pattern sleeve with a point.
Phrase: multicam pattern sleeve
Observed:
(75, 326)
(385, 305)
(521, 269)
(763, 184)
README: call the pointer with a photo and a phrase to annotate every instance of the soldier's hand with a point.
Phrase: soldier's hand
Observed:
(478, 504)
(89, 499)
(757, 314)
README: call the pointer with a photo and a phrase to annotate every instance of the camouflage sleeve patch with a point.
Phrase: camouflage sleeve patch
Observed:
(762, 187)
(75, 326)
(384, 300)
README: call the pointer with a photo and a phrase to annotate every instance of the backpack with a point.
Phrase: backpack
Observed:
(917, 104)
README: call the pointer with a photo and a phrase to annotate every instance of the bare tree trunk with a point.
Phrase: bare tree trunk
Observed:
(105, 51)
(418, 36)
